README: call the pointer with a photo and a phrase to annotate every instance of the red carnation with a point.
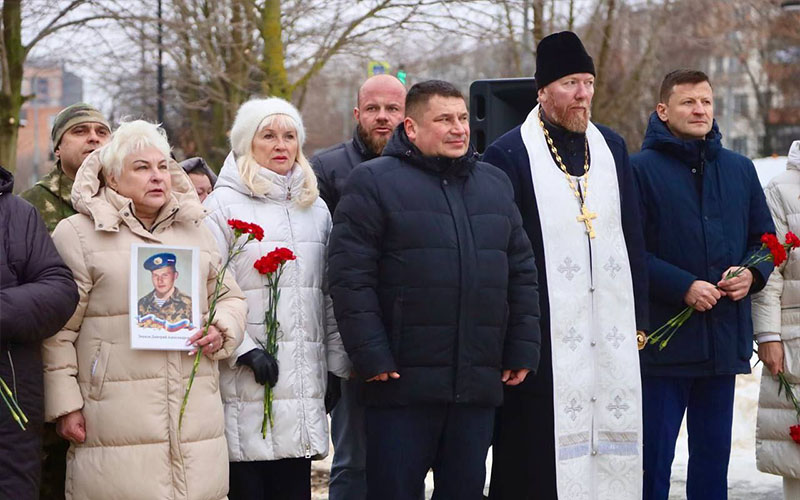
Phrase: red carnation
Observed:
(266, 264)
(778, 255)
(792, 240)
(256, 231)
(283, 254)
(794, 431)
(240, 227)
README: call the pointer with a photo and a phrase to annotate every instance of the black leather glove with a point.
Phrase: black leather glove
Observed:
(263, 364)
(333, 393)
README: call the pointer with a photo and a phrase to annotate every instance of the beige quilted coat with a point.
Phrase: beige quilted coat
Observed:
(776, 309)
(131, 398)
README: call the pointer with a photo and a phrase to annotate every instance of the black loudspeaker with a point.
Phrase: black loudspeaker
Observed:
(497, 106)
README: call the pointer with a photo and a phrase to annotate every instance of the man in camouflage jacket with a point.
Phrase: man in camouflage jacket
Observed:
(77, 131)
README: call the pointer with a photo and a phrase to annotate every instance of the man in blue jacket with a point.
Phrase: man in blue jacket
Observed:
(434, 288)
(704, 213)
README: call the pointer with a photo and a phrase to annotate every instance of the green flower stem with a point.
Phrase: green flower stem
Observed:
(219, 285)
(784, 385)
(13, 407)
(665, 332)
(271, 327)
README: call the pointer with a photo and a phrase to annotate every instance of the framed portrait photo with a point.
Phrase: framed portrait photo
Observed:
(164, 304)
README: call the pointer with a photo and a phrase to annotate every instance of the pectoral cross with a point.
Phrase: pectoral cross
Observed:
(586, 217)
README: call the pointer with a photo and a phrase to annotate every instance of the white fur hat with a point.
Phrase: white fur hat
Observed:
(252, 113)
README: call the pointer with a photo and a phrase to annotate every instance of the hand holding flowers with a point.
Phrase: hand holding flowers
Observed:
(705, 295)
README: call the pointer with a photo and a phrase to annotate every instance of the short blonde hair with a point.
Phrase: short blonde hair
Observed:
(129, 137)
(249, 167)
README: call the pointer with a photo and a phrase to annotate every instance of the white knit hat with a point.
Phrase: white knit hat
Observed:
(252, 113)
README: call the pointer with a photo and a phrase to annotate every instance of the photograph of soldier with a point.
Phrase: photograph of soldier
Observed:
(165, 307)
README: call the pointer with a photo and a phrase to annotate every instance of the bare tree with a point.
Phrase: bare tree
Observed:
(44, 18)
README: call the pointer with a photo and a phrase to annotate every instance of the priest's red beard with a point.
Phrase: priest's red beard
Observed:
(572, 118)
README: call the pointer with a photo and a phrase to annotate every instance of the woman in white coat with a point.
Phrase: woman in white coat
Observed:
(776, 322)
(267, 180)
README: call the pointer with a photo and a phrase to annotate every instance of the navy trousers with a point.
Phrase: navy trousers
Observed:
(708, 404)
(349, 469)
(403, 443)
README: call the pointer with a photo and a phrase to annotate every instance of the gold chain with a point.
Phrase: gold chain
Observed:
(586, 216)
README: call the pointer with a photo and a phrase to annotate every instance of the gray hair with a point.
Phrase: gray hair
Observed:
(129, 137)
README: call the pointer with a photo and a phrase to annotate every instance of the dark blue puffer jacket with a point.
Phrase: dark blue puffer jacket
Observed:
(432, 275)
(37, 297)
(703, 211)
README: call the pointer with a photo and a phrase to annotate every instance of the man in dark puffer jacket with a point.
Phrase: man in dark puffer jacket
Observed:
(434, 289)
(37, 297)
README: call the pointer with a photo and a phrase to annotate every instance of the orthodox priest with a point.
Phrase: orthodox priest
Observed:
(574, 431)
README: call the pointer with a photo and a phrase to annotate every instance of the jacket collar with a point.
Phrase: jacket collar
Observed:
(108, 209)
(283, 187)
(400, 146)
(689, 152)
(6, 181)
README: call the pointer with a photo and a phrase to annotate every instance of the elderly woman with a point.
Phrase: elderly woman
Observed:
(118, 406)
(266, 179)
(776, 323)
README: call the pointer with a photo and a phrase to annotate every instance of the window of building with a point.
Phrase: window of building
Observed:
(740, 105)
(719, 106)
(41, 88)
(739, 144)
(720, 65)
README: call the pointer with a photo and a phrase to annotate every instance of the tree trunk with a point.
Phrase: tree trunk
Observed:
(11, 94)
(605, 43)
(273, 65)
(538, 22)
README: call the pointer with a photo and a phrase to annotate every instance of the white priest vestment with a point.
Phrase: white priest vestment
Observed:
(597, 387)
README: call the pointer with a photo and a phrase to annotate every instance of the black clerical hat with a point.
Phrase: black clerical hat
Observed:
(559, 55)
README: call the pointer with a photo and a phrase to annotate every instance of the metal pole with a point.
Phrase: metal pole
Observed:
(160, 68)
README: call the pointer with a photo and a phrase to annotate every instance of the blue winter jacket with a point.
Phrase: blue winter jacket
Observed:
(703, 211)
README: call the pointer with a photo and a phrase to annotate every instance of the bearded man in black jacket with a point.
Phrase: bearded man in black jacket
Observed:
(434, 289)
(380, 108)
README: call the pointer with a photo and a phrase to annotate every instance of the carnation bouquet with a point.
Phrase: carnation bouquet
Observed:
(235, 247)
(271, 266)
(778, 253)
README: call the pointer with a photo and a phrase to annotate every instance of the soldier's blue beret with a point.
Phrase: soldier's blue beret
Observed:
(160, 260)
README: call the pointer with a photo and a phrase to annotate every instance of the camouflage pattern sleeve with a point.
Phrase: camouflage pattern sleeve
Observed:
(51, 198)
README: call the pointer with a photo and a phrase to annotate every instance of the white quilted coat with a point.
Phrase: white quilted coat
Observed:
(308, 341)
(776, 309)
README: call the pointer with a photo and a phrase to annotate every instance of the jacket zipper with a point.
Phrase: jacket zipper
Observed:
(306, 441)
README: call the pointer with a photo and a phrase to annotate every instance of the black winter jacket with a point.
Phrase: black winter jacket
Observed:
(432, 275)
(333, 167)
(37, 297)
